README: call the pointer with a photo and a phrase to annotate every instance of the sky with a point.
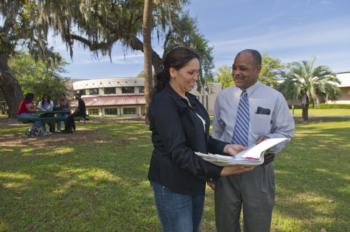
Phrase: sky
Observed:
(288, 30)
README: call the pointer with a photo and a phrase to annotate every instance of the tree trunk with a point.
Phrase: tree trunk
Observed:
(9, 86)
(147, 49)
(305, 112)
(305, 108)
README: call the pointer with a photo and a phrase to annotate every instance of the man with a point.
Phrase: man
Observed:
(80, 111)
(247, 114)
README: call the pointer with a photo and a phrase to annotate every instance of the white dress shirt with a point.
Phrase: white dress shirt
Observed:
(268, 110)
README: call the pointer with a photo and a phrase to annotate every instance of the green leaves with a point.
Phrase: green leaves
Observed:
(224, 76)
(39, 77)
(309, 84)
(270, 71)
(318, 83)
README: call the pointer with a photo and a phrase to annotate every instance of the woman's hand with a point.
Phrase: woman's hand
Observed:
(235, 169)
(233, 149)
(211, 184)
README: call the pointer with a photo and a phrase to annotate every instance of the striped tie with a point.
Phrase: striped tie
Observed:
(240, 132)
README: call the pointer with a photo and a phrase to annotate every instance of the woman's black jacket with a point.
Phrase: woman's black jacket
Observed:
(177, 132)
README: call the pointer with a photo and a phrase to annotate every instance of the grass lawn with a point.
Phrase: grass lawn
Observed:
(324, 112)
(96, 180)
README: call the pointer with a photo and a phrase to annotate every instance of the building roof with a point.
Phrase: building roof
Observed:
(344, 79)
(112, 100)
(108, 82)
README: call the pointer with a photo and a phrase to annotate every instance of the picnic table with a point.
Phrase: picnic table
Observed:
(50, 117)
(44, 116)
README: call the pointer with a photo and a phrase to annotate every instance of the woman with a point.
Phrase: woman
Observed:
(46, 105)
(26, 111)
(180, 126)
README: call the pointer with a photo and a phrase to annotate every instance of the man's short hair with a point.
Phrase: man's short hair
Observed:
(255, 55)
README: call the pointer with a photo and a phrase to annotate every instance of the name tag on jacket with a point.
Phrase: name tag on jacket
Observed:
(261, 110)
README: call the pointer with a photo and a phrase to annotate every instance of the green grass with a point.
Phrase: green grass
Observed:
(324, 112)
(96, 180)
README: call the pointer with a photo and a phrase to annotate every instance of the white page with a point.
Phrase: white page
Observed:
(255, 151)
(251, 156)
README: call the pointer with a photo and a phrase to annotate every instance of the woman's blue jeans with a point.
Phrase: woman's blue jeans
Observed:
(178, 212)
(33, 117)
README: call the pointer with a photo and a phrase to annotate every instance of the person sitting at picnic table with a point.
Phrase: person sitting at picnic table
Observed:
(46, 105)
(63, 106)
(26, 111)
(80, 111)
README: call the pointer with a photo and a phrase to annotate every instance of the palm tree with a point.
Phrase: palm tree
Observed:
(308, 83)
(224, 76)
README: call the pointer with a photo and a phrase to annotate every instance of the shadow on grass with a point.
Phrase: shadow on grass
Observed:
(92, 185)
(96, 180)
(313, 178)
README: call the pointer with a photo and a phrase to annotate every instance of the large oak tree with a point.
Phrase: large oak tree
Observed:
(19, 28)
(100, 24)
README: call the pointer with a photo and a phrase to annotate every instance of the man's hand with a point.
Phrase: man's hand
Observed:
(261, 138)
(233, 149)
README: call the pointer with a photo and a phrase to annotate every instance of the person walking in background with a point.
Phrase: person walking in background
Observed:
(180, 127)
(247, 114)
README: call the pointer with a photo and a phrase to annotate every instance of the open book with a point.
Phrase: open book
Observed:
(251, 156)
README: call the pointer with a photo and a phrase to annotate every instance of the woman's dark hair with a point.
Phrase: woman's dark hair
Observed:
(77, 94)
(43, 99)
(176, 58)
(29, 96)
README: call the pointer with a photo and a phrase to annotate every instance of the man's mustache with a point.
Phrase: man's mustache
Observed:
(238, 78)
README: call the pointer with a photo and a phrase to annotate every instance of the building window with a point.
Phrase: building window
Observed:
(128, 90)
(109, 90)
(141, 89)
(94, 91)
(111, 111)
(93, 111)
(129, 110)
(82, 92)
